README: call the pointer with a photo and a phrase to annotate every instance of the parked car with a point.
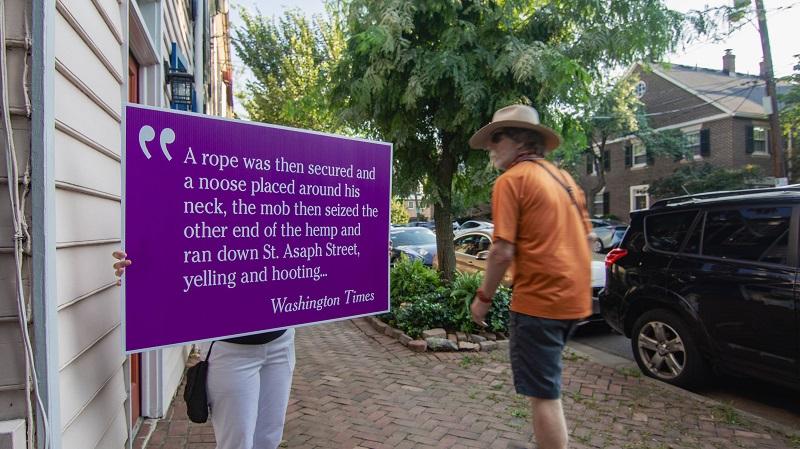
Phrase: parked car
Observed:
(472, 251)
(710, 281)
(605, 230)
(417, 243)
(473, 225)
(617, 234)
(422, 224)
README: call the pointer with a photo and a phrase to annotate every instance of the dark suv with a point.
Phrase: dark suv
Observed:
(710, 280)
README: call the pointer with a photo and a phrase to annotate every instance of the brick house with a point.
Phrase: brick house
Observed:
(719, 112)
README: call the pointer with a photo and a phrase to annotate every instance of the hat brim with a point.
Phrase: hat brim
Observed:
(481, 138)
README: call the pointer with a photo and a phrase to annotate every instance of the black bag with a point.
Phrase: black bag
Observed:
(195, 393)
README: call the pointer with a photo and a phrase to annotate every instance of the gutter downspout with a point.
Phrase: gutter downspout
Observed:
(45, 316)
(199, 88)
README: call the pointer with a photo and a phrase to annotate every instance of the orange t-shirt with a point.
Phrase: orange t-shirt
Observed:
(552, 263)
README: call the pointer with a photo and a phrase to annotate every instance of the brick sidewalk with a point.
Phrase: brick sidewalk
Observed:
(355, 388)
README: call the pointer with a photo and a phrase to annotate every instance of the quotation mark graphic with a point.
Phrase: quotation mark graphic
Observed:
(147, 134)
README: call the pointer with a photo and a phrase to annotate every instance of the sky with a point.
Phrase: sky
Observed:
(782, 16)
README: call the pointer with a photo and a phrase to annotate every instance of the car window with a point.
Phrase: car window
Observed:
(693, 244)
(413, 237)
(755, 234)
(471, 244)
(665, 232)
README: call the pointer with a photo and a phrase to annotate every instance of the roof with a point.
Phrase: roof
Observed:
(735, 93)
(790, 192)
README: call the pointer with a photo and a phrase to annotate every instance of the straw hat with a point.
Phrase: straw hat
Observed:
(515, 116)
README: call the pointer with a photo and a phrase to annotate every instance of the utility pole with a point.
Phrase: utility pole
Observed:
(775, 145)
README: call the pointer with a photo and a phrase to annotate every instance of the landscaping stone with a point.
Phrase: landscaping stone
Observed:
(380, 326)
(418, 345)
(488, 345)
(434, 333)
(461, 336)
(502, 345)
(489, 336)
(441, 344)
(404, 339)
(476, 338)
(467, 346)
(453, 338)
(392, 332)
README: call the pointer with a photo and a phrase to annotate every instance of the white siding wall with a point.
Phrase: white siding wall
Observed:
(89, 90)
(12, 356)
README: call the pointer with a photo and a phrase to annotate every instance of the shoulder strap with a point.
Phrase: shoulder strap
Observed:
(209, 350)
(568, 188)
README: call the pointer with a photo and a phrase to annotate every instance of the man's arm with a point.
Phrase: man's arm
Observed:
(500, 257)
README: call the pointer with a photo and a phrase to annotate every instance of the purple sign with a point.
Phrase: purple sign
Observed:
(236, 228)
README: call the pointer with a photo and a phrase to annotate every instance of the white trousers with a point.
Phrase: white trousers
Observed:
(248, 392)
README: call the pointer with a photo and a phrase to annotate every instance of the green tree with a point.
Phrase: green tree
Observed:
(700, 178)
(399, 212)
(292, 60)
(790, 118)
(425, 74)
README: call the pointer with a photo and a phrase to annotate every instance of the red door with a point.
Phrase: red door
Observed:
(136, 359)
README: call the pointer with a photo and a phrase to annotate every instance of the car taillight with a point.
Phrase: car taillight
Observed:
(614, 256)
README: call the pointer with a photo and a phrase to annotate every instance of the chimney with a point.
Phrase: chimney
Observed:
(729, 62)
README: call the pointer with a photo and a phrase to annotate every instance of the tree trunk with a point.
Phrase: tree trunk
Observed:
(443, 210)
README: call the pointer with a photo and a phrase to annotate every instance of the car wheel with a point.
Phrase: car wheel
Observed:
(665, 349)
(597, 246)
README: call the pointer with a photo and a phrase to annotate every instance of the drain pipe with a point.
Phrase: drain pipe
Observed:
(199, 87)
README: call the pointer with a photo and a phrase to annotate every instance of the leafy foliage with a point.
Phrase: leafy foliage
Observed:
(399, 213)
(424, 312)
(700, 178)
(292, 60)
(425, 74)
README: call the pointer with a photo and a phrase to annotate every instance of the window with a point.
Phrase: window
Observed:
(760, 140)
(691, 146)
(598, 201)
(665, 232)
(641, 89)
(639, 197)
(639, 154)
(472, 244)
(756, 234)
(410, 204)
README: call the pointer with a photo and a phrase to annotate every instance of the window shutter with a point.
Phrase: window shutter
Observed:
(628, 155)
(705, 142)
(588, 164)
(748, 140)
(607, 160)
(606, 203)
(650, 157)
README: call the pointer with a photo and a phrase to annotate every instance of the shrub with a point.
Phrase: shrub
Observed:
(465, 285)
(463, 291)
(408, 280)
(423, 312)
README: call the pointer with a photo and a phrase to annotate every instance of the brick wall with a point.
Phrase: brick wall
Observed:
(727, 149)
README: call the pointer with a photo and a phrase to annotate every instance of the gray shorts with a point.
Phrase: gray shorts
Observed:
(535, 349)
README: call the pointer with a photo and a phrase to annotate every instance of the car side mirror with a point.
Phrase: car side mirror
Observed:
(483, 255)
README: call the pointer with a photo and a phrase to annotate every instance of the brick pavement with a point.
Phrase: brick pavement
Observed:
(355, 388)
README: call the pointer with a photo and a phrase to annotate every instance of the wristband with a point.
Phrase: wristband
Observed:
(482, 296)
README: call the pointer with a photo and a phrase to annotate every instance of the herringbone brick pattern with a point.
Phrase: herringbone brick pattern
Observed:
(355, 388)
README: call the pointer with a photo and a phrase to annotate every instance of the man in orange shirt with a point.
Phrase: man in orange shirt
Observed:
(541, 225)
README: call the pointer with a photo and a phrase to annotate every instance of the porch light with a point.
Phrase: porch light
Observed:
(181, 85)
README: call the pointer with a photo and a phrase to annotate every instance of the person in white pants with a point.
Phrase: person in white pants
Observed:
(249, 380)
(248, 390)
